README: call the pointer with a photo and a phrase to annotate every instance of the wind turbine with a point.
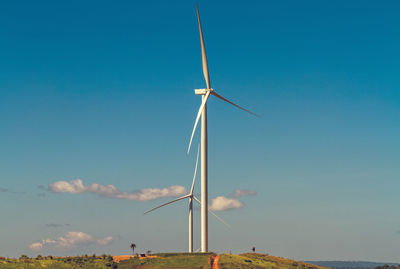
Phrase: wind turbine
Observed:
(205, 93)
(191, 197)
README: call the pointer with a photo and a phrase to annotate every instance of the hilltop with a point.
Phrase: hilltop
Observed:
(159, 261)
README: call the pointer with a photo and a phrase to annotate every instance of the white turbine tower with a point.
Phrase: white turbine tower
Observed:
(205, 93)
(191, 197)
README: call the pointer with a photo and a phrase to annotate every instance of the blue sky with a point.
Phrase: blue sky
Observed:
(103, 91)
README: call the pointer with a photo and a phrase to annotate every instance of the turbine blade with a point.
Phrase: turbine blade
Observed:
(219, 218)
(203, 103)
(170, 202)
(226, 100)
(212, 212)
(195, 170)
(203, 52)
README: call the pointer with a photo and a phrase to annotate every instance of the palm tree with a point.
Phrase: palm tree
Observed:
(133, 248)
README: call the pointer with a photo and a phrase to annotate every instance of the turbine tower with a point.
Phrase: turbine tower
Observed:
(205, 93)
(191, 197)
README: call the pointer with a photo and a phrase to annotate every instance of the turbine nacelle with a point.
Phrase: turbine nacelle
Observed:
(202, 91)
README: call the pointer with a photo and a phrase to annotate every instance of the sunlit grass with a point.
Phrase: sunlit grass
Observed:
(158, 261)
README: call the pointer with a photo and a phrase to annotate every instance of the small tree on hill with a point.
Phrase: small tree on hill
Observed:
(253, 249)
(133, 246)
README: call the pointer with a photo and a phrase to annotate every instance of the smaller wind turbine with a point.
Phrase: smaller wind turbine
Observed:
(191, 197)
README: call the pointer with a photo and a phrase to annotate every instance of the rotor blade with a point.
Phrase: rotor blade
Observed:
(219, 218)
(226, 100)
(203, 103)
(212, 212)
(195, 170)
(180, 198)
(203, 52)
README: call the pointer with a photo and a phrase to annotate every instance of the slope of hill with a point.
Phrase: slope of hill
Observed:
(50, 262)
(255, 260)
(350, 264)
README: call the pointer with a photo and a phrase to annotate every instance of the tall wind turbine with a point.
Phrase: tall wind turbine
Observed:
(191, 197)
(205, 93)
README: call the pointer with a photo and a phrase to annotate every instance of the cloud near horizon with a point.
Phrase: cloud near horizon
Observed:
(221, 203)
(238, 193)
(71, 240)
(56, 225)
(110, 191)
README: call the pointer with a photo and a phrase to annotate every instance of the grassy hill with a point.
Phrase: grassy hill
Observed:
(159, 261)
(255, 260)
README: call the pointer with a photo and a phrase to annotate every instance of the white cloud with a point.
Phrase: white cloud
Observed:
(36, 246)
(222, 203)
(110, 191)
(56, 225)
(104, 241)
(71, 240)
(238, 193)
(75, 186)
